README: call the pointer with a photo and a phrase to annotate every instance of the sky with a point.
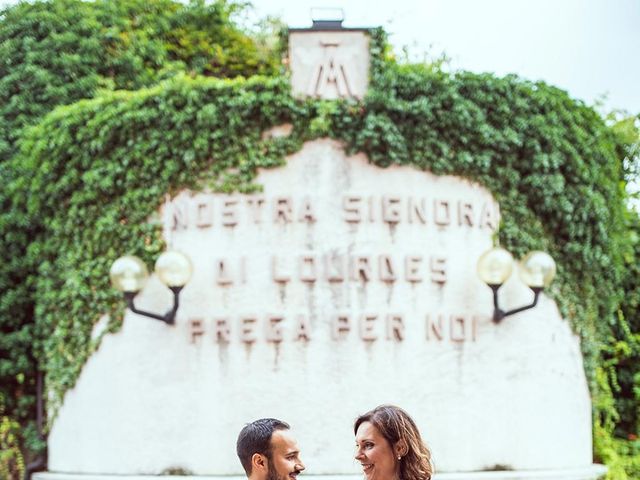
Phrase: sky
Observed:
(590, 48)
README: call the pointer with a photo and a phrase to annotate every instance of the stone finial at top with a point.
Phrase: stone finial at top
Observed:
(329, 61)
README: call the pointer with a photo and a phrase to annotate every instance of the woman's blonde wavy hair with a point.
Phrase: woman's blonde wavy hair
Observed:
(395, 424)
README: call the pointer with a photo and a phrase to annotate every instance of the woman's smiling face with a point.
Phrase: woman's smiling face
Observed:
(375, 454)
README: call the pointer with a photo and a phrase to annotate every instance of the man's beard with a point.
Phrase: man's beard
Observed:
(273, 475)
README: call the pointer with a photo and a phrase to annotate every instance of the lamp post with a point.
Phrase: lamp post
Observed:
(537, 270)
(129, 275)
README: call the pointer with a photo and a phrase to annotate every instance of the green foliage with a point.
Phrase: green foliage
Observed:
(617, 401)
(90, 187)
(550, 161)
(623, 352)
(11, 460)
(57, 52)
(49, 54)
(622, 457)
(90, 175)
(205, 39)
(148, 40)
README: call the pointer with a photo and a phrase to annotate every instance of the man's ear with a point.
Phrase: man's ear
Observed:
(259, 463)
(401, 448)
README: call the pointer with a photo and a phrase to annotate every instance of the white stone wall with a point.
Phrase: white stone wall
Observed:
(155, 397)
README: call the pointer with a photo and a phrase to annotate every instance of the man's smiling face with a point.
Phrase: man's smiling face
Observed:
(285, 463)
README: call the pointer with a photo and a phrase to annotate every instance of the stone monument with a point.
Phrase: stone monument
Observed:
(341, 286)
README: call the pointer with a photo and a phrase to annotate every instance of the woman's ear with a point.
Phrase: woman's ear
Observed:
(401, 448)
(259, 463)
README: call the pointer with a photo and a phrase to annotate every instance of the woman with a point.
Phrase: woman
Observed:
(389, 446)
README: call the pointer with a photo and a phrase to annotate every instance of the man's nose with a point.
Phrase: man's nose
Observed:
(300, 466)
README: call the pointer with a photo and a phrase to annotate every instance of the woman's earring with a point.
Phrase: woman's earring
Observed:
(399, 458)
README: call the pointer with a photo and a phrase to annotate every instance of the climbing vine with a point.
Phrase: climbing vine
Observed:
(89, 176)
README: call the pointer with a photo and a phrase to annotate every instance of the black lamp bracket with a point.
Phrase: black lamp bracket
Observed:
(499, 314)
(169, 318)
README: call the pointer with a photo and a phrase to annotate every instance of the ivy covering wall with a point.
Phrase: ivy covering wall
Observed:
(89, 175)
(56, 52)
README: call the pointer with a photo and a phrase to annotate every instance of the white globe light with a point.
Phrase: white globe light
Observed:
(174, 269)
(128, 274)
(537, 269)
(495, 266)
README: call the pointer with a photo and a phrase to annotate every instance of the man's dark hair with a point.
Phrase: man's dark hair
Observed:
(255, 437)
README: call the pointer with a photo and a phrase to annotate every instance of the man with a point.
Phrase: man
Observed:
(268, 451)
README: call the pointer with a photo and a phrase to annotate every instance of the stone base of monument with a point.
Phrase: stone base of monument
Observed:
(592, 472)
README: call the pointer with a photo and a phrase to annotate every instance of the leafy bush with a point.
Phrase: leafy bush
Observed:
(11, 460)
(58, 52)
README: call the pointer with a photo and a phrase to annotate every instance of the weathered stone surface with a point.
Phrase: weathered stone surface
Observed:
(340, 287)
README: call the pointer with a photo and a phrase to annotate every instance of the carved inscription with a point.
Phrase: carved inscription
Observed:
(361, 268)
(343, 270)
(330, 74)
(367, 326)
(329, 64)
(250, 328)
(456, 328)
(205, 211)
